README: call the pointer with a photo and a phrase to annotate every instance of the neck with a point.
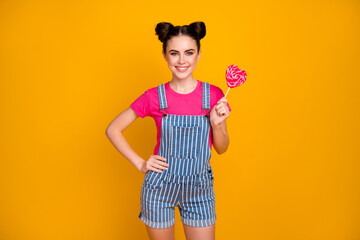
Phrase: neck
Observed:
(183, 85)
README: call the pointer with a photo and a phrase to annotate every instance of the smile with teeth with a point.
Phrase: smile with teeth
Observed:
(181, 69)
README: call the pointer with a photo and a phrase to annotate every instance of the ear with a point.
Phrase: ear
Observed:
(198, 58)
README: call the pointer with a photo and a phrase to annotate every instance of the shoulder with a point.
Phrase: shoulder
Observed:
(215, 90)
(146, 103)
(149, 93)
(215, 95)
(152, 90)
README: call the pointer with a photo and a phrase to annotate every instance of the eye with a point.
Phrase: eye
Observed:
(173, 54)
(190, 53)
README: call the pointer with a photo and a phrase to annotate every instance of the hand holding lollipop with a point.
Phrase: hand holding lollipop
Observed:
(234, 77)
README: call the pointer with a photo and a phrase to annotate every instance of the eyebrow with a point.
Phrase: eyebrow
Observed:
(185, 51)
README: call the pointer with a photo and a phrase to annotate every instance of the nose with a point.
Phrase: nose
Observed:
(181, 59)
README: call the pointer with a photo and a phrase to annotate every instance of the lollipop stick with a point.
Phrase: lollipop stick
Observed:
(227, 92)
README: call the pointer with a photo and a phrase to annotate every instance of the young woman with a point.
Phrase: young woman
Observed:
(190, 117)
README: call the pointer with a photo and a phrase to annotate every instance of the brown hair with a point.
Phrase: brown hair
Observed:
(166, 31)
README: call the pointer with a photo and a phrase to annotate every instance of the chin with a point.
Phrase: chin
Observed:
(180, 76)
(183, 78)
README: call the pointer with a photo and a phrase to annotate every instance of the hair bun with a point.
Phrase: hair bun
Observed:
(162, 29)
(198, 28)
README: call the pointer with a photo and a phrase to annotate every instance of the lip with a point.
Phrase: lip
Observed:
(177, 68)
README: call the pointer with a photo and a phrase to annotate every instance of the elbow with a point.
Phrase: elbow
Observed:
(221, 151)
(109, 131)
(112, 130)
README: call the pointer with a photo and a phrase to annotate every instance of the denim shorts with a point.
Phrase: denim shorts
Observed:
(195, 200)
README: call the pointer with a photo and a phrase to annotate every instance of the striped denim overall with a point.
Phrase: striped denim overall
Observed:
(188, 181)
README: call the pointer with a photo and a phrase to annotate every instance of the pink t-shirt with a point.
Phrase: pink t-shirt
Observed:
(178, 104)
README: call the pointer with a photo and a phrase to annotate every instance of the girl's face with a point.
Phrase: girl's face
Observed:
(182, 56)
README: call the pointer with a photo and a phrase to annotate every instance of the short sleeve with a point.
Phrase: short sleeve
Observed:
(141, 105)
(216, 95)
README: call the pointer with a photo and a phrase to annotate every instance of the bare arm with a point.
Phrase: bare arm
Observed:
(114, 133)
(218, 116)
(220, 138)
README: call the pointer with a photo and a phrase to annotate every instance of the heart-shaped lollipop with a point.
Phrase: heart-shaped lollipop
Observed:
(234, 77)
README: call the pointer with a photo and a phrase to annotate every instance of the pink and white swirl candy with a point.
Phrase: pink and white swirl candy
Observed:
(235, 76)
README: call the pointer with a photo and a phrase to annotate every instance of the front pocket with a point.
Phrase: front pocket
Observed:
(153, 183)
(205, 182)
(185, 141)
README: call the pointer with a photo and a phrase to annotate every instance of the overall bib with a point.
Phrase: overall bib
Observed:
(188, 181)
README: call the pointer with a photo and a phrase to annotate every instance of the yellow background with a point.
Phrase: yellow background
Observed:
(67, 68)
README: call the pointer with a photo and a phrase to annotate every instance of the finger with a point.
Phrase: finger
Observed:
(159, 157)
(223, 103)
(155, 169)
(158, 166)
(223, 99)
(219, 105)
(226, 115)
(224, 111)
(161, 160)
(223, 106)
(162, 163)
(221, 109)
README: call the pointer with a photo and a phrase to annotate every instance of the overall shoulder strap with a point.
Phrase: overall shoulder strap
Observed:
(162, 97)
(206, 96)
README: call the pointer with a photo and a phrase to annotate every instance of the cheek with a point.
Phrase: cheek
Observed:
(171, 61)
(193, 61)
